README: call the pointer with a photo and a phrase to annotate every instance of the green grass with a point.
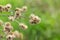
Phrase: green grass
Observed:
(48, 29)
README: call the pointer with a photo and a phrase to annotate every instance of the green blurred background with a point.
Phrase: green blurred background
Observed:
(47, 10)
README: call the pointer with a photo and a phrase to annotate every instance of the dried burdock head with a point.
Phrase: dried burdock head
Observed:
(11, 18)
(7, 7)
(19, 10)
(17, 15)
(7, 30)
(1, 22)
(7, 24)
(24, 8)
(23, 26)
(12, 33)
(34, 19)
(17, 34)
(7, 27)
(1, 8)
(10, 37)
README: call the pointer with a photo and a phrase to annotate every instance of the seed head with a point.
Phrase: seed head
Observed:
(23, 26)
(7, 7)
(24, 8)
(10, 37)
(7, 27)
(17, 15)
(34, 19)
(11, 18)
